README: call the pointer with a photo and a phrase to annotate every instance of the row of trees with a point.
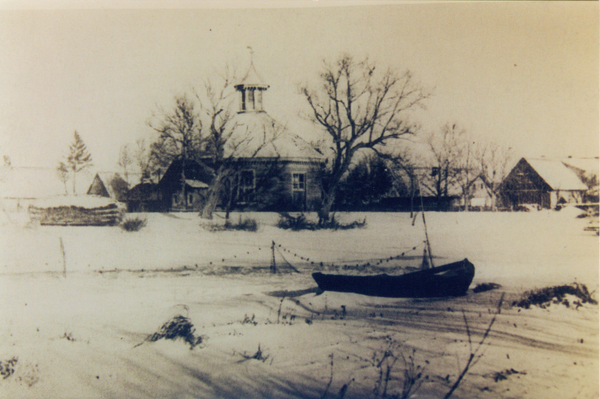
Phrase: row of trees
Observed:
(374, 178)
(363, 113)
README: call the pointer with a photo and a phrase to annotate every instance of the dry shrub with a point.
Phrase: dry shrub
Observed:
(486, 287)
(7, 367)
(549, 295)
(297, 223)
(133, 224)
(243, 224)
(179, 327)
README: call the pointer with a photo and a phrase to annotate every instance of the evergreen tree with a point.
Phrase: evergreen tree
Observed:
(79, 157)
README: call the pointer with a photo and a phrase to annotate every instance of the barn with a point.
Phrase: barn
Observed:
(541, 182)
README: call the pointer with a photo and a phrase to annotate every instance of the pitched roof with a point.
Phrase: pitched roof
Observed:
(588, 165)
(556, 174)
(252, 78)
(105, 179)
(257, 135)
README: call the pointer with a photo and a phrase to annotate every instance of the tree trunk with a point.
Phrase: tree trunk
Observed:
(74, 181)
(183, 196)
(214, 194)
(326, 205)
(211, 204)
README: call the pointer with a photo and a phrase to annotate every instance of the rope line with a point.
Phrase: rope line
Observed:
(376, 261)
(286, 261)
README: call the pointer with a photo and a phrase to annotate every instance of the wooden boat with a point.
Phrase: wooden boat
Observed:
(452, 279)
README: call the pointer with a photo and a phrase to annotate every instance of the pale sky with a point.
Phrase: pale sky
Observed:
(524, 75)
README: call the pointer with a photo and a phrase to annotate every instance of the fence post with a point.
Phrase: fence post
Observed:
(64, 258)
(273, 264)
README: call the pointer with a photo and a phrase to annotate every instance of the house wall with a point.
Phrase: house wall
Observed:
(480, 197)
(196, 198)
(275, 189)
(312, 191)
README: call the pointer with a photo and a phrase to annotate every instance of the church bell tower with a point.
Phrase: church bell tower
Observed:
(251, 90)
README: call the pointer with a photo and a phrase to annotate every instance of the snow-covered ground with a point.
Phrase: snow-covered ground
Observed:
(77, 301)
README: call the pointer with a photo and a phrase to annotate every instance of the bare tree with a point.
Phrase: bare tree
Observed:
(240, 143)
(217, 100)
(202, 128)
(359, 109)
(494, 161)
(444, 147)
(180, 135)
(78, 159)
(407, 172)
(63, 174)
(125, 160)
(141, 155)
(468, 168)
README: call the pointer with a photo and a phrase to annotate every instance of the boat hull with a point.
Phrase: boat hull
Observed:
(452, 279)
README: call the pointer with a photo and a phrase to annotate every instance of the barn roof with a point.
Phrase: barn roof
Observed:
(556, 174)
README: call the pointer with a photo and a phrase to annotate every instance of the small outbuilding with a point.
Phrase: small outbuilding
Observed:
(110, 185)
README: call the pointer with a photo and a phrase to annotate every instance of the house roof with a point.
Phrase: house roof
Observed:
(556, 174)
(257, 135)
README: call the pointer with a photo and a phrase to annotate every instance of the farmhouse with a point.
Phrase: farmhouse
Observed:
(543, 182)
(479, 195)
(275, 168)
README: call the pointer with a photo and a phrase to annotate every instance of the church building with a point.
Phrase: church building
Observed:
(276, 169)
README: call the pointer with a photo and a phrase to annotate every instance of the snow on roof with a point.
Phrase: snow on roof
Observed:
(257, 135)
(106, 178)
(196, 183)
(590, 165)
(556, 174)
(38, 182)
(83, 201)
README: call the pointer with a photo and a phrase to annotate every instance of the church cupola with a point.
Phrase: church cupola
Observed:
(251, 91)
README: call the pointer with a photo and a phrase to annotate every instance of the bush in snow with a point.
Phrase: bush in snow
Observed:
(546, 296)
(241, 225)
(133, 224)
(296, 223)
(179, 327)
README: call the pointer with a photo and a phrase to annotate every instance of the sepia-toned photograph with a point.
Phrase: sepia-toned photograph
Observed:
(316, 199)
